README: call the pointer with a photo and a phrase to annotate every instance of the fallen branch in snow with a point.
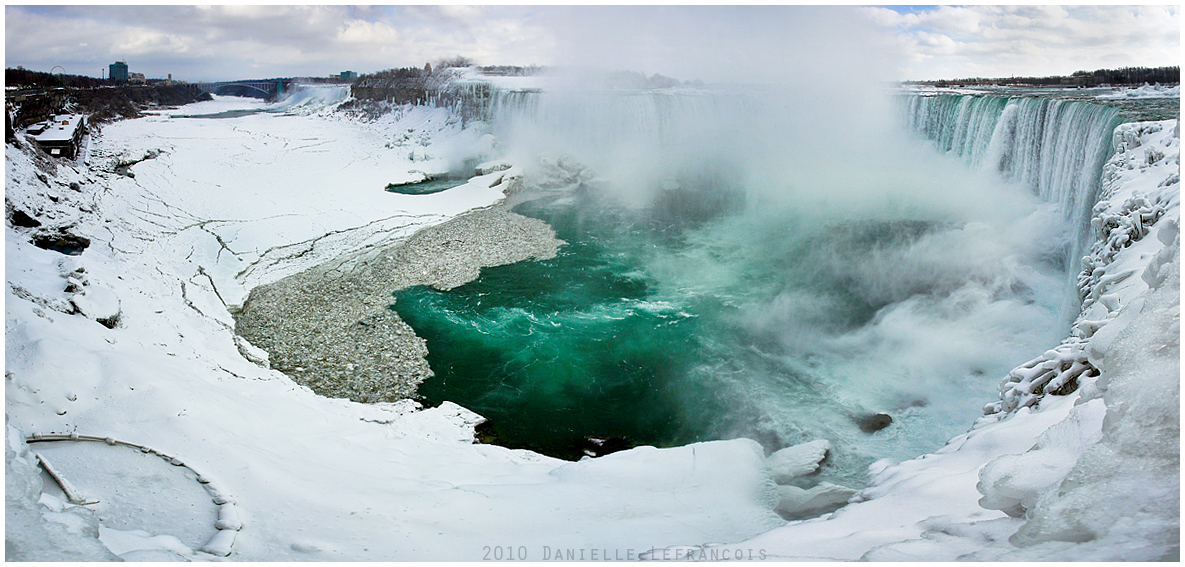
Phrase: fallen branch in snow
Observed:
(72, 493)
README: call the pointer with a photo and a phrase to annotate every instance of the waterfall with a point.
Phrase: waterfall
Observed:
(1055, 148)
(608, 128)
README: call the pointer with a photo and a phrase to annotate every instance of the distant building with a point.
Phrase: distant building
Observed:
(118, 72)
(348, 75)
(137, 78)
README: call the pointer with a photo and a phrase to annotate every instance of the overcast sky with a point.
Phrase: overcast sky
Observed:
(713, 43)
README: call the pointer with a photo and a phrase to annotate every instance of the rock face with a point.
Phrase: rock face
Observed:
(62, 241)
(331, 329)
(874, 423)
(22, 219)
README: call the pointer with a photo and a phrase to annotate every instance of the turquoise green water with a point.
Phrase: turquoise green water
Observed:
(692, 320)
(554, 351)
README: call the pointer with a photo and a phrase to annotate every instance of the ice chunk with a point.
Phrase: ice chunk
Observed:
(798, 503)
(1013, 483)
(793, 462)
(228, 518)
(221, 543)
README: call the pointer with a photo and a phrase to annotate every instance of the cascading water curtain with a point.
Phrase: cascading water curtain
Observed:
(1055, 148)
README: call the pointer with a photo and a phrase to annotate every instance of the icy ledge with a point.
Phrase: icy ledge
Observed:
(1054, 471)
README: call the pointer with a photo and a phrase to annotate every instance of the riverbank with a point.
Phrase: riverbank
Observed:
(330, 328)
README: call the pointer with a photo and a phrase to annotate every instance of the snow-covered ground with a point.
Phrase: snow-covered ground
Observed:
(1145, 91)
(197, 452)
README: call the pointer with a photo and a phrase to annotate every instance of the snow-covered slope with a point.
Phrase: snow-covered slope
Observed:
(132, 343)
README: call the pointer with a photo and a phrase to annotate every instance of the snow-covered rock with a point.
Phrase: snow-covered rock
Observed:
(796, 503)
(98, 303)
(252, 352)
(492, 167)
(799, 460)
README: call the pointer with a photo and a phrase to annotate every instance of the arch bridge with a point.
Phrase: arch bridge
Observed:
(269, 89)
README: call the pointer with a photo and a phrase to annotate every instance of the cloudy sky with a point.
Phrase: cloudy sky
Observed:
(713, 43)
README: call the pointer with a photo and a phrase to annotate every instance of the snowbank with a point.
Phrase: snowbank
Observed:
(1145, 91)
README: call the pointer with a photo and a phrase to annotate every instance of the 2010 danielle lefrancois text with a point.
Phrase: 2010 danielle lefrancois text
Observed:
(547, 553)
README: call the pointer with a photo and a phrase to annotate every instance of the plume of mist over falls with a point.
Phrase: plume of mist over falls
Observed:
(842, 267)
(779, 83)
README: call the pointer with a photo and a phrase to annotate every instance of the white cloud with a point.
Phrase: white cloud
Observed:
(1000, 41)
(709, 42)
(362, 32)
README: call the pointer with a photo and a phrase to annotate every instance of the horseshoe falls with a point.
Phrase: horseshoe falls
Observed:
(759, 263)
(1055, 148)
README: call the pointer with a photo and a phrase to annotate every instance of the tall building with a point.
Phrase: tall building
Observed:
(348, 75)
(118, 72)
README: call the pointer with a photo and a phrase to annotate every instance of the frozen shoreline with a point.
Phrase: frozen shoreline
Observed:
(357, 342)
(175, 247)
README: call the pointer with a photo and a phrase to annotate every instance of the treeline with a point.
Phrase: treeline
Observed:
(104, 105)
(635, 80)
(439, 87)
(405, 85)
(511, 70)
(25, 78)
(38, 95)
(1134, 76)
(1100, 77)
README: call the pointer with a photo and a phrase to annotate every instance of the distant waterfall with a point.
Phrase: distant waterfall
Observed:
(607, 128)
